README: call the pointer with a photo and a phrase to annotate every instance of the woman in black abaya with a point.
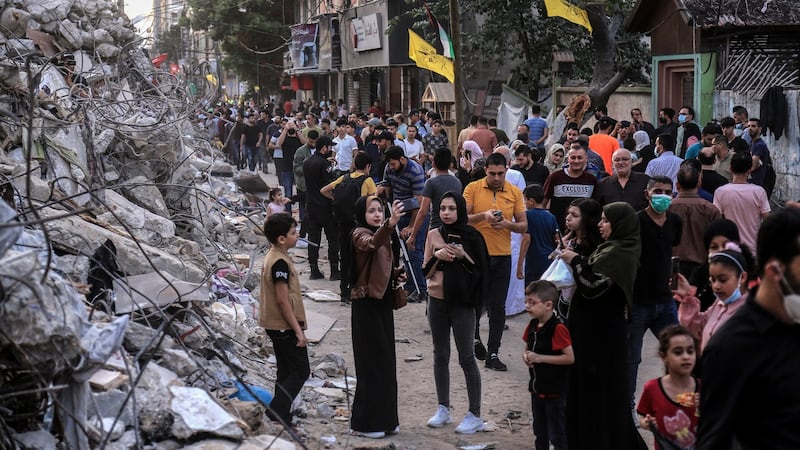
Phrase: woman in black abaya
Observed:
(375, 257)
(598, 409)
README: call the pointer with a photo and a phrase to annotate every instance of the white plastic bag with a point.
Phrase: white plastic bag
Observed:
(560, 274)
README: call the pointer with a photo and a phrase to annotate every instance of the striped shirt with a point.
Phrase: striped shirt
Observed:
(406, 183)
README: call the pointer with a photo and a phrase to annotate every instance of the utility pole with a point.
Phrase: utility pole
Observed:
(455, 36)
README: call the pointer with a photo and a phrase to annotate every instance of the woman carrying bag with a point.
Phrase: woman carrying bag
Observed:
(456, 262)
(374, 274)
(598, 412)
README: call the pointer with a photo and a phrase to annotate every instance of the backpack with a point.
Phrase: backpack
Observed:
(345, 195)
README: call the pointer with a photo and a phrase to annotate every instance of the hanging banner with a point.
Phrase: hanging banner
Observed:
(366, 32)
(304, 49)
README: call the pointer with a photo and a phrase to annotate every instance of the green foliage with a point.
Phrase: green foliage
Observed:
(250, 35)
(169, 42)
(518, 35)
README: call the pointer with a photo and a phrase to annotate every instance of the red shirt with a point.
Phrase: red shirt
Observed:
(676, 422)
(561, 338)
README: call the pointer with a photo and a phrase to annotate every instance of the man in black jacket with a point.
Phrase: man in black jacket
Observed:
(319, 211)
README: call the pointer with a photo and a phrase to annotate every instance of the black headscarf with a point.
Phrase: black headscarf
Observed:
(468, 284)
(618, 257)
(359, 214)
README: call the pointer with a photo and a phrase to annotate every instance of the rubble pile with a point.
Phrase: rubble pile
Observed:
(126, 268)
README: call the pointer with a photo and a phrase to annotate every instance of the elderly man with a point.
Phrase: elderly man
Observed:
(625, 185)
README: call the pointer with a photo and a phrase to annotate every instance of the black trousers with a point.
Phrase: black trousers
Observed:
(495, 305)
(319, 220)
(293, 371)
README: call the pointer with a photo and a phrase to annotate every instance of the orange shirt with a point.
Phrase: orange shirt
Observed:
(509, 200)
(605, 146)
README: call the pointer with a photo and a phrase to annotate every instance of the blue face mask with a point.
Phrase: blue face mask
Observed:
(660, 202)
(734, 296)
(681, 118)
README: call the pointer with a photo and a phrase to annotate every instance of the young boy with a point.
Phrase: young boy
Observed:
(539, 242)
(548, 352)
(283, 316)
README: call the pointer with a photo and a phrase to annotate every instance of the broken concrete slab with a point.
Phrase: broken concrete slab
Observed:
(139, 336)
(178, 361)
(318, 325)
(266, 441)
(15, 22)
(197, 413)
(154, 290)
(40, 440)
(83, 236)
(151, 228)
(144, 193)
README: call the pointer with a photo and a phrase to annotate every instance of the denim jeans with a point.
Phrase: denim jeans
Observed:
(416, 254)
(250, 154)
(549, 422)
(495, 305)
(646, 317)
(286, 178)
(293, 371)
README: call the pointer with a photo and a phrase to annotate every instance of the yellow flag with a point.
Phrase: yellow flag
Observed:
(425, 56)
(560, 8)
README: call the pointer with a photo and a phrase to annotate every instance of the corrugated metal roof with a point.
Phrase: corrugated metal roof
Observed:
(739, 13)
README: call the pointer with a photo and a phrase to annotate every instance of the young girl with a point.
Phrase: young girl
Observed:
(670, 402)
(277, 203)
(728, 275)
(583, 236)
(457, 268)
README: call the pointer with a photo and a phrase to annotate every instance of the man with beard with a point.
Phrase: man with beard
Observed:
(495, 208)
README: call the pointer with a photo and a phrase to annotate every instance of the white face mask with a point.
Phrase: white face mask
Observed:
(791, 301)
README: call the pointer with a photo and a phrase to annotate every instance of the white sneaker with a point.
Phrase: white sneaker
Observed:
(441, 417)
(369, 434)
(470, 424)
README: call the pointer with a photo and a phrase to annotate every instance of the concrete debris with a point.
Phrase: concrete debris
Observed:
(141, 347)
(197, 413)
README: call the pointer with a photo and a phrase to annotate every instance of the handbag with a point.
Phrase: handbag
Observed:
(399, 296)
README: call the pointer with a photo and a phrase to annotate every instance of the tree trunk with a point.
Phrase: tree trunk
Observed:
(606, 78)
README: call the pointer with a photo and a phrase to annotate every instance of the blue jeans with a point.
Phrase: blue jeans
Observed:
(250, 153)
(286, 178)
(646, 317)
(549, 422)
(416, 254)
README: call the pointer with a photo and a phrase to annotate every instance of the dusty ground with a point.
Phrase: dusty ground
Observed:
(505, 400)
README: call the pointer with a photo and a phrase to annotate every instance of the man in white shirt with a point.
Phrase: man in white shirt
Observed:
(413, 147)
(346, 148)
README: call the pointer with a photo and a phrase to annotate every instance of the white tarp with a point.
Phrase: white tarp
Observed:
(513, 110)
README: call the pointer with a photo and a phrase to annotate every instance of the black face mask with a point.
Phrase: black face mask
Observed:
(662, 120)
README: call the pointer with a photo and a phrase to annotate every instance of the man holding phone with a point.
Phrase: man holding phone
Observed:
(406, 181)
(495, 208)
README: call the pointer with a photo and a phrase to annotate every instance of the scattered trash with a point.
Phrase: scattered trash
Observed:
(417, 357)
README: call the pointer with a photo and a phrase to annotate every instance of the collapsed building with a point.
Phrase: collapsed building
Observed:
(126, 314)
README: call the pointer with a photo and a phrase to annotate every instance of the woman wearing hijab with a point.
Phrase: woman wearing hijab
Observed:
(374, 273)
(554, 161)
(598, 412)
(456, 266)
(644, 151)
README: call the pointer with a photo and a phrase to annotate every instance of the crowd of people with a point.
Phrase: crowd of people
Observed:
(661, 237)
